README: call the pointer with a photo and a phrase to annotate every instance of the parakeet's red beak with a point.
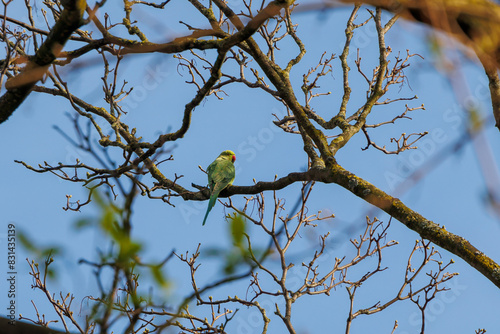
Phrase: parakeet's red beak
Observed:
(234, 158)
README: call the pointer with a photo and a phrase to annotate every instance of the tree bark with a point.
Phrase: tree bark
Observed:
(21, 327)
(20, 86)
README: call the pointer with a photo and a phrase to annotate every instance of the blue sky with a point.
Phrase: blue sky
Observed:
(451, 194)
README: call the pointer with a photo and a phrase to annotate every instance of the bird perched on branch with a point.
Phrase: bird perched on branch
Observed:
(220, 174)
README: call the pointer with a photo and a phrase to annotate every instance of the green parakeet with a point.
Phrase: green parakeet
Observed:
(220, 175)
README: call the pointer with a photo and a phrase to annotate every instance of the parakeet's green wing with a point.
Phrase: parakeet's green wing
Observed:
(210, 172)
(221, 173)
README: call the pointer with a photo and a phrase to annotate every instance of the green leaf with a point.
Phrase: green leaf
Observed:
(158, 276)
(31, 246)
(475, 119)
(237, 225)
(82, 223)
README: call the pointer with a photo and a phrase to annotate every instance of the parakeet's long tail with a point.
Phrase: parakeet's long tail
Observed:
(211, 204)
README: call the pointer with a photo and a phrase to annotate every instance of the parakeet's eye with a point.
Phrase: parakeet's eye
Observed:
(234, 158)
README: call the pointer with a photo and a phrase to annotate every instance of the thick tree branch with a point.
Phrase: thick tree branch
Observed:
(21, 327)
(413, 220)
(19, 87)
